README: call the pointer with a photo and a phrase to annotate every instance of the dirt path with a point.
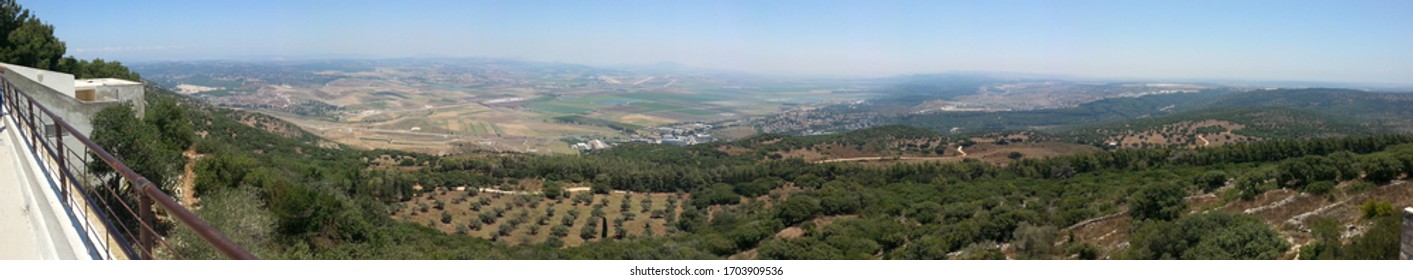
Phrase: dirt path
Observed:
(877, 158)
(188, 188)
(1204, 140)
(574, 189)
(959, 150)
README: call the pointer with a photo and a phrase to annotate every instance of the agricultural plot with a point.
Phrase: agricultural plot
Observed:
(559, 108)
(530, 218)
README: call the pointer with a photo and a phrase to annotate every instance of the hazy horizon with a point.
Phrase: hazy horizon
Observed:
(1192, 40)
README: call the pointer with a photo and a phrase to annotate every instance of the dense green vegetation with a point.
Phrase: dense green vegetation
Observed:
(577, 119)
(329, 203)
(1207, 236)
(1260, 122)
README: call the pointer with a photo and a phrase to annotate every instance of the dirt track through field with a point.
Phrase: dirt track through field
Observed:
(959, 150)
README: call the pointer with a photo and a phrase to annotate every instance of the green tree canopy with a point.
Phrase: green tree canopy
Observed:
(1160, 202)
(1207, 236)
(33, 44)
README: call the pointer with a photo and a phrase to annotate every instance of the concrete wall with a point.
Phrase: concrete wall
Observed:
(115, 89)
(132, 93)
(77, 113)
(1405, 251)
(61, 82)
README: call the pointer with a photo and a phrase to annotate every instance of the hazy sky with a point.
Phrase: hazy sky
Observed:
(1354, 41)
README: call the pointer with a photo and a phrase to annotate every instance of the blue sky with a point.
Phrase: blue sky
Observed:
(1345, 41)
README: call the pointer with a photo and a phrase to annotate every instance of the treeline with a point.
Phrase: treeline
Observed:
(1106, 110)
(584, 120)
(1259, 122)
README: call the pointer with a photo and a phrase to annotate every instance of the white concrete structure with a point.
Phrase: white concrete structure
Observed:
(108, 89)
(1405, 251)
(76, 101)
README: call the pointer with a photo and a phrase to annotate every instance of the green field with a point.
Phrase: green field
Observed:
(643, 103)
(559, 108)
(687, 98)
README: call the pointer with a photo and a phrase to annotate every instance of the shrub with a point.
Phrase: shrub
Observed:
(619, 232)
(1376, 208)
(1361, 186)
(717, 194)
(559, 231)
(588, 232)
(1034, 242)
(1083, 251)
(1206, 236)
(1382, 169)
(600, 188)
(799, 208)
(1161, 202)
(505, 229)
(1211, 180)
(1318, 188)
(446, 217)
(1250, 186)
(554, 242)
(486, 217)
(552, 189)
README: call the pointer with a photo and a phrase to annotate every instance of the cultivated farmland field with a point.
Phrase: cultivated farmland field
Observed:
(449, 106)
(532, 218)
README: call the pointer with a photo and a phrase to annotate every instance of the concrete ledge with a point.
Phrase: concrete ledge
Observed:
(52, 222)
(1405, 251)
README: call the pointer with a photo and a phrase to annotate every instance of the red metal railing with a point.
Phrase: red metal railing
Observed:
(101, 196)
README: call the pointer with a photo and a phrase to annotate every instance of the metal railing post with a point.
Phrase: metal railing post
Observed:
(33, 137)
(145, 219)
(59, 148)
